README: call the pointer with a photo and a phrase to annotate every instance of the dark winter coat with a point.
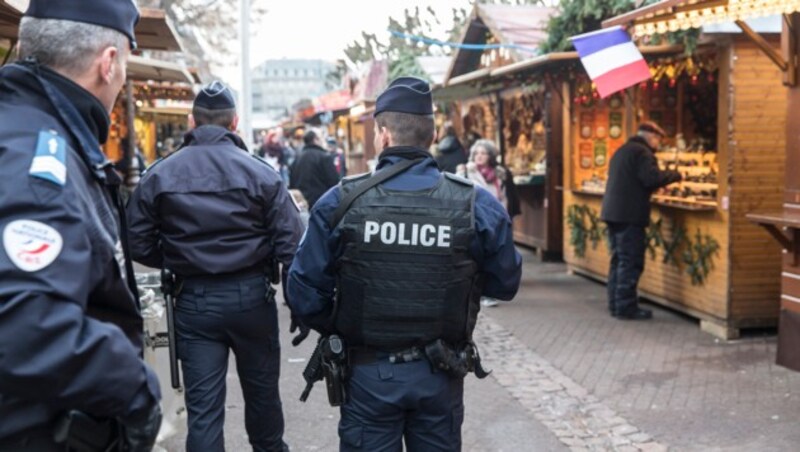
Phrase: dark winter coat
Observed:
(451, 154)
(633, 176)
(313, 173)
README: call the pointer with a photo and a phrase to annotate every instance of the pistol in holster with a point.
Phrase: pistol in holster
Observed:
(80, 432)
(329, 362)
(455, 361)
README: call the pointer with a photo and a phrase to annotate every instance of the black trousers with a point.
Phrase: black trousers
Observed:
(212, 318)
(627, 264)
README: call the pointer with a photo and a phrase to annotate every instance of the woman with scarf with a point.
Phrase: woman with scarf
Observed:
(484, 170)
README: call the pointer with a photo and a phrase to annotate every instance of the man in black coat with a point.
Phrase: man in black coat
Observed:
(451, 152)
(314, 172)
(633, 176)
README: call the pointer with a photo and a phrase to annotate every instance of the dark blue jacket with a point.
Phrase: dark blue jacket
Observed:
(212, 208)
(312, 277)
(70, 330)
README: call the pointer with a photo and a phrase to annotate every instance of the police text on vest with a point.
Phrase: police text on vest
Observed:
(413, 234)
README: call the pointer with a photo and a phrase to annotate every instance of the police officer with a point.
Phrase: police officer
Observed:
(633, 176)
(396, 268)
(70, 330)
(217, 216)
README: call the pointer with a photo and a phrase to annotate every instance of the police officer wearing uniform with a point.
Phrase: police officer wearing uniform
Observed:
(217, 217)
(633, 176)
(71, 335)
(396, 269)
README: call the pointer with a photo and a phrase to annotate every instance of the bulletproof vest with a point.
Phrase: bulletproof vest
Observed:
(405, 277)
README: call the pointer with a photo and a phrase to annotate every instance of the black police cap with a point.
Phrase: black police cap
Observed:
(406, 95)
(215, 96)
(120, 15)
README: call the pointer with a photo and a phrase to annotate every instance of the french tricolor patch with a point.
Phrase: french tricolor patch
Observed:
(611, 59)
(50, 161)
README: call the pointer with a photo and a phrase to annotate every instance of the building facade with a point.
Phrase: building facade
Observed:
(279, 84)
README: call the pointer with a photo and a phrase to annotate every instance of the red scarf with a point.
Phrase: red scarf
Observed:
(489, 175)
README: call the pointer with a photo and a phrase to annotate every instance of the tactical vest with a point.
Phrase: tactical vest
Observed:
(405, 277)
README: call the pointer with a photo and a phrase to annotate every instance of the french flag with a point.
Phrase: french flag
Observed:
(611, 59)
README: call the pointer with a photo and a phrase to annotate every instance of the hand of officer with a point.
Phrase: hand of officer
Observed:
(139, 431)
(302, 335)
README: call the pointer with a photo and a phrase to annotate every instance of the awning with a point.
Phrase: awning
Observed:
(675, 15)
(153, 32)
(143, 69)
(9, 20)
(333, 101)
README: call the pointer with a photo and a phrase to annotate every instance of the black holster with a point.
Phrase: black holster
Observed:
(456, 362)
(80, 432)
(329, 361)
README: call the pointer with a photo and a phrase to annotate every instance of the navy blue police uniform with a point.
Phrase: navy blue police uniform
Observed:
(405, 266)
(216, 216)
(71, 335)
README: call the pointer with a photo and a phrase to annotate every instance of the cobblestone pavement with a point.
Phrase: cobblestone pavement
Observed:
(568, 377)
(577, 418)
(681, 386)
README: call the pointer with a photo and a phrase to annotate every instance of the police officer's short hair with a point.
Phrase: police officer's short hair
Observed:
(408, 129)
(206, 117)
(67, 46)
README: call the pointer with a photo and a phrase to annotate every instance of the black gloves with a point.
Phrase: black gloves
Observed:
(139, 432)
(302, 335)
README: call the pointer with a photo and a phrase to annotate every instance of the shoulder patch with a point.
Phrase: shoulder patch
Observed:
(50, 161)
(459, 179)
(31, 245)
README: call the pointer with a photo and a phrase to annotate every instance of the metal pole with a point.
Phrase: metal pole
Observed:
(246, 91)
(128, 154)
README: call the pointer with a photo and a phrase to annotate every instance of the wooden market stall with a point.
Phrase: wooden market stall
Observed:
(779, 217)
(500, 93)
(723, 107)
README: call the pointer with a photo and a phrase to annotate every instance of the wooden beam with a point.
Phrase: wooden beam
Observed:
(762, 44)
(789, 26)
(776, 233)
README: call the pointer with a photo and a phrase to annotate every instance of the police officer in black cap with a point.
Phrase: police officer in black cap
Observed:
(70, 330)
(217, 216)
(396, 264)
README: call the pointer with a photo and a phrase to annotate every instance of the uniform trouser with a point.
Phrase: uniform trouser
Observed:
(34, 440)
(211, 319)
(390, 402)
(627, 264)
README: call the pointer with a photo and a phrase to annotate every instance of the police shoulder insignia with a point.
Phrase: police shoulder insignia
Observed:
(50, 161)
(31, 245)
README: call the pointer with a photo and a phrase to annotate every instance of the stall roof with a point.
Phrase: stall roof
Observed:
(153, 32)
(697, 13)
(10, 15)
(524, 26)
(140, 68)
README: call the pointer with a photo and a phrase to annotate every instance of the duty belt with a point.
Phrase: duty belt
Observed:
(363, 355)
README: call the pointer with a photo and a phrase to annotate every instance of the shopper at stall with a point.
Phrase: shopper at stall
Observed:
(486, 172)
(633, 176)
(314, 172)
(450, 151)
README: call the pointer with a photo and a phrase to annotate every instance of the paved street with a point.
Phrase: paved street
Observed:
(566, 376)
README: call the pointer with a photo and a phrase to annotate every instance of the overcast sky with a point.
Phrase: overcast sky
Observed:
(323, 28)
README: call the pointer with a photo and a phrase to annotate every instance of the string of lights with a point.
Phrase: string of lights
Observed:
(463, 46)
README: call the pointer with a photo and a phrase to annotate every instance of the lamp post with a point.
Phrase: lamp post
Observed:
(245, 95)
